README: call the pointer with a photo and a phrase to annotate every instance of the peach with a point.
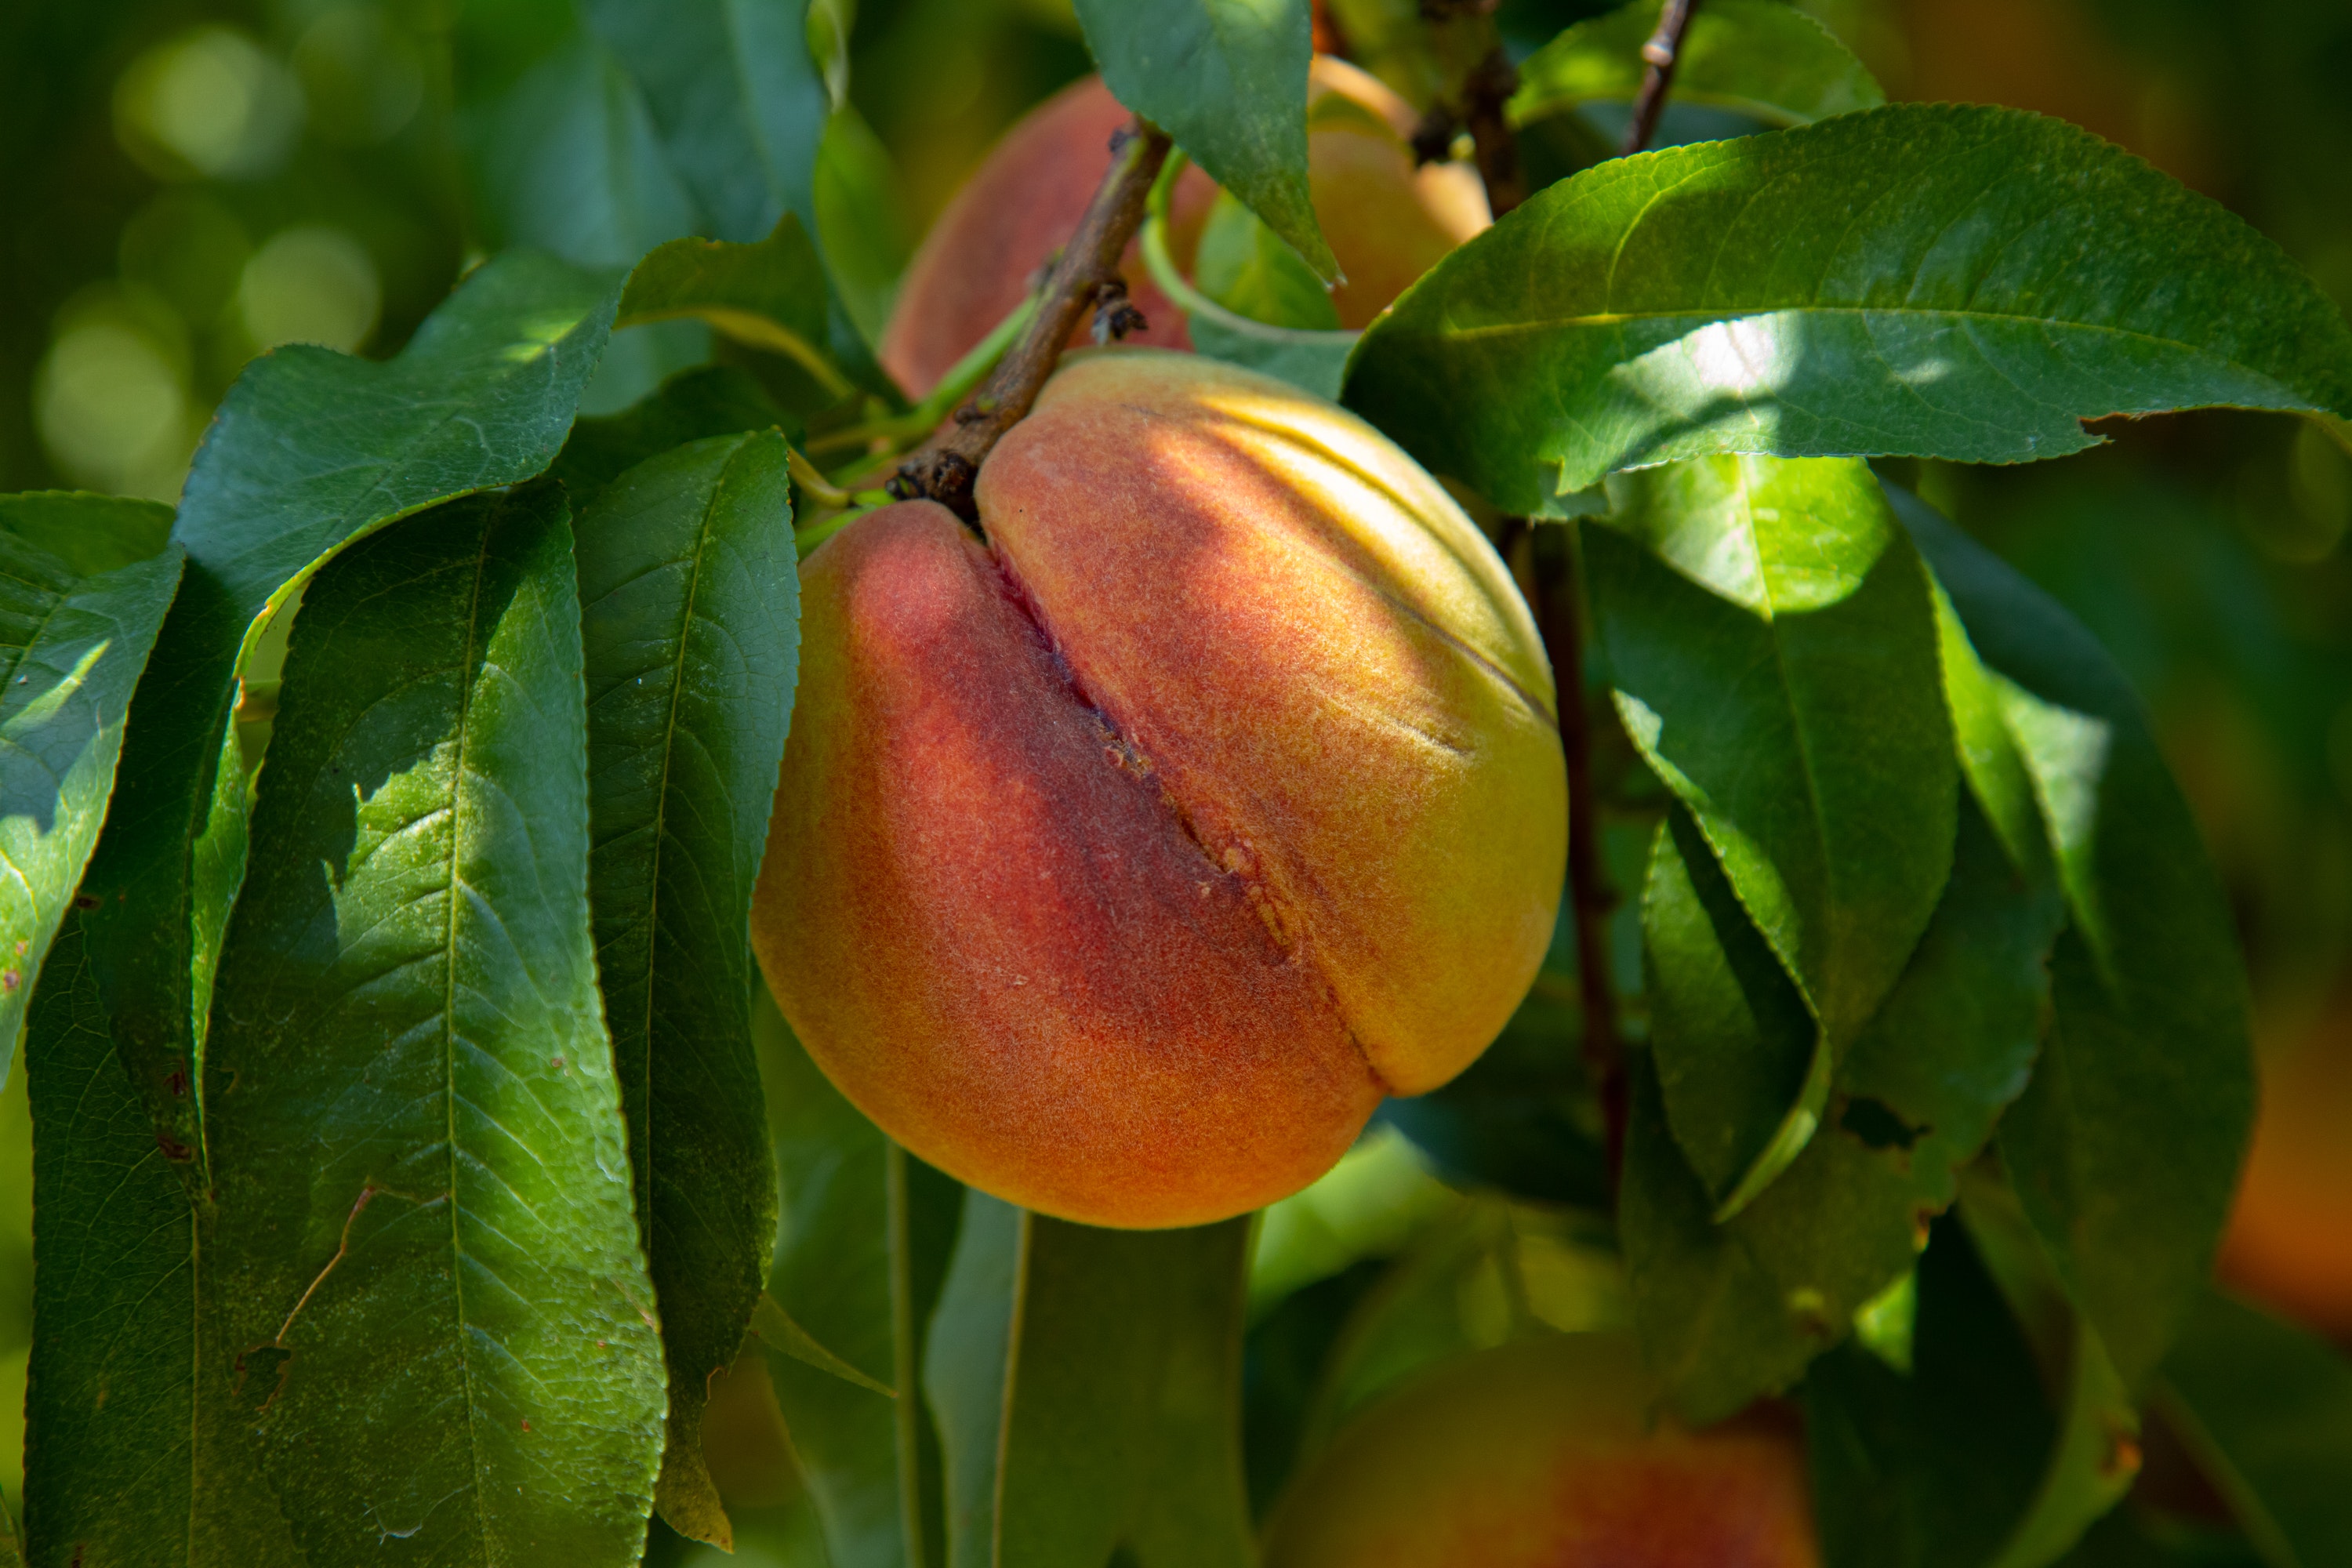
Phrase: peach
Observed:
(1387, 222)
(1122, 862)
(1544, 1453)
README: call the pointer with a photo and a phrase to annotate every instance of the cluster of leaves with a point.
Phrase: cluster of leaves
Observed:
(399, 1074)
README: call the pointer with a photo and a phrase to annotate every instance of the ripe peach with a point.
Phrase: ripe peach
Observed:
(1123, 861)
(1387, 222)
(1542, 1454)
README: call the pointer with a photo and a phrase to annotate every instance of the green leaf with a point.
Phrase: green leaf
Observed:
(1928, 280)
(1736, 1310)
(2267, 1409)
(1369, 1204)
(1758, 58)
(109, 1401)
(738, 103)
(1122, 1413)
(1227, 79)
(770, 295)
(862, 224)
(1736, 1047)
(426, 1316)
(1772, 639)
(312, 449)
(1241, 266)
(779, 1333)
(84, 584)
(564, 156)
(963, 1371)
(689, 597)
(2094, 1456)
(1929, 1467)
(709, 400)
(866, 1237)
(2126, 1144)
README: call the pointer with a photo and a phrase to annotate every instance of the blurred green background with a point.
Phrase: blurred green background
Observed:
(184, 184)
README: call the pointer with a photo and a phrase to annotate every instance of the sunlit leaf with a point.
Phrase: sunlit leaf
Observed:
(1929, 279)
(84, 583)
(1772, 639)
(1227, 79)
(690, 614)
(1759, 58)
(770, 294)
(426, 1316)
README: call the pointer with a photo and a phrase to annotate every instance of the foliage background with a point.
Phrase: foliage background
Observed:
(184, 183)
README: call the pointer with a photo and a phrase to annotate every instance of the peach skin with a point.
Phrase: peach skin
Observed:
(1123, 861)
(1387, 222)
(1542, 1455)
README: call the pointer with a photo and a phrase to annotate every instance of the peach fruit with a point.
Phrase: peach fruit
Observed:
(1122, 862)
(1387, 222)
(1544, 1453)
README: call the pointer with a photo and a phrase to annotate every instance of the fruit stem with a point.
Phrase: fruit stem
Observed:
(1661, 52)
(1559, 616)
(945, 467)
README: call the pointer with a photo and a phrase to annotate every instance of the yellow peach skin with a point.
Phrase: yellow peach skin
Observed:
(1546, 1455)
(1123, 861)
(1386, 221)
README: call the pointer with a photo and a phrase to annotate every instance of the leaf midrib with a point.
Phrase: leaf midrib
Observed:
(660, 825)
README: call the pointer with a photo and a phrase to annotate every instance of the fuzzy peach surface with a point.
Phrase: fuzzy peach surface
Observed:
(1387, 221)
(1548, 1455)
(1123, 863)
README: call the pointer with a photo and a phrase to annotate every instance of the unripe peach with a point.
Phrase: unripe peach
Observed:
(1123, 861)
(1544, 1453)
(1387, 222)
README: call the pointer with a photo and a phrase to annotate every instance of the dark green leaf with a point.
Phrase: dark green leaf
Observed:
(1227, 79)
(861, 222)
(1245, 268)
(1733, 1039)
(1733, 1310)
(427, 1317)
(1122, 1408)
(2126, 1146)
(565, 158)
(84, 584)
(737, 101)
(1771, 638)
(1522, 1118)
(689, 597)
(779, 1333)
(770, 295)
(1929, 1466)
(833, 1277)
(709, 400)
(1759, 58)
(1944, 282)
(110, 1472)
(963, 1371)
(2267, 1407)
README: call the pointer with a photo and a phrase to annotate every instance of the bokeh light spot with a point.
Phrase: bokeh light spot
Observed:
(112, 402)
(312, 283)
(209, 103)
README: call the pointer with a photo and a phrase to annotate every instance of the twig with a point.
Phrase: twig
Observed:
(1591, 898)
(1485, 92)
(1661, 52)
(1087, 277)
